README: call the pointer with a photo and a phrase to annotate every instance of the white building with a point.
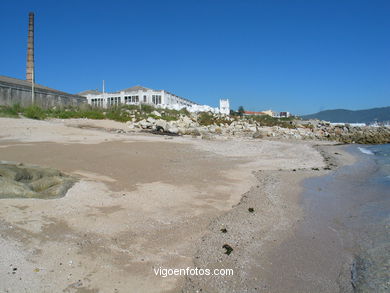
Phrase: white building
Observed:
(134, 96)
(140, 95)
(277, 114)
(224, 106)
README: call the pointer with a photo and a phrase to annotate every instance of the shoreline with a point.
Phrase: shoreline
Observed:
(276, 192)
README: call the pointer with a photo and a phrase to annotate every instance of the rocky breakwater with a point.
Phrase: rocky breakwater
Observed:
(233, 126)
(347, 133)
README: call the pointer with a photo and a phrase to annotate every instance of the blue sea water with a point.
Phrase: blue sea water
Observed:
(381, 155)
(372, 270)
(348, 210)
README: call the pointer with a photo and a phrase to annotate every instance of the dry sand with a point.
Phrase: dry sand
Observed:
(144, 202)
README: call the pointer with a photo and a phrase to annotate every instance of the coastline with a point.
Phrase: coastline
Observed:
(254, 237)
(141, 202)
(122, 222)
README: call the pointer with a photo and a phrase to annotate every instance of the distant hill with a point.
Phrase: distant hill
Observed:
(349, 116)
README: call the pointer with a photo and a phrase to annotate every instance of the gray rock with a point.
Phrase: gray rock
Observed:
(161, 124)
(155, 113)
(173, 129)
(145, 124)
(151, 120)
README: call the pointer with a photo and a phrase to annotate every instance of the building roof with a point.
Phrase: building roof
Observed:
(27, 84)
(90, 92)
(254, 113)
(135, 89)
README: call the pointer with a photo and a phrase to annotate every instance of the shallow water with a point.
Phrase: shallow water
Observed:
(354, 203)
(372, 269)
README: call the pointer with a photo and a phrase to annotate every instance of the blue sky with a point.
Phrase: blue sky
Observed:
(298, 56)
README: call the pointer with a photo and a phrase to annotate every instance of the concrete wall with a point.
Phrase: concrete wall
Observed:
(11, 94)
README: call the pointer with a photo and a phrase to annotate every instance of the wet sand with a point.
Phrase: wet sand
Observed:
(141, 202)
(273, 251)
(123, 165)
(306, 233)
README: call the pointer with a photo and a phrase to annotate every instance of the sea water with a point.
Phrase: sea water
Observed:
(371, 271)
(348, 213)
(342, 241)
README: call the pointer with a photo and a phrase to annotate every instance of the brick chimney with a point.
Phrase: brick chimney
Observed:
(30, 49)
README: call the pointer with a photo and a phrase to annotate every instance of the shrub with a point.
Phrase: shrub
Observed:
(184, 111)
(266, 120)
(147, 108)
(91, 114)
(11, 112)
(34, 112)
(168, 118)
(130, 107)
(205, 119)
(66, 114)
(117, 115)
(16, 108)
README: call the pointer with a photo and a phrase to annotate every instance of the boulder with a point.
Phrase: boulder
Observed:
(161, 124)
(173, 129)
(260, 134)
(145, 124)
(151, 120)
(155, 113)
(252, 128)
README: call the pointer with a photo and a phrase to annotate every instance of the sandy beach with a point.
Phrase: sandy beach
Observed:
(143, 202)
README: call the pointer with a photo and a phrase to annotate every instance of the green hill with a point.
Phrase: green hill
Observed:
(349, 116)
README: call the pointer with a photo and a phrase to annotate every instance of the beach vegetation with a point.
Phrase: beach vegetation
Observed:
(207, 118)
(266, 120)
(34, 112)
(124, 113)
(10, 111)
(241, 111)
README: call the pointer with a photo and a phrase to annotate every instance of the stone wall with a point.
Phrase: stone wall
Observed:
(14, 91)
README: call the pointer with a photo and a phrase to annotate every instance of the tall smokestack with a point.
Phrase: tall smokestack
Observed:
(30, 49)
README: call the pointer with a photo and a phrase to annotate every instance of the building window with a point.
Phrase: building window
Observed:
(144, 99)
(134, 99)
(156, 99)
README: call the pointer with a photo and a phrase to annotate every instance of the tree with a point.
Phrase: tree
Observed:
(241, 110)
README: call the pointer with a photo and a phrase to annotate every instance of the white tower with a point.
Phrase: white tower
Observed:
(224, 107)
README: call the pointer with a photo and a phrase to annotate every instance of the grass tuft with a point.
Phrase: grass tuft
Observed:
(34, 112)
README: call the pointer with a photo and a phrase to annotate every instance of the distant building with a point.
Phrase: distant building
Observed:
(249, 113)
(269, 113)
(224, 106)
(284, 114)
(18, 91)
(137, 95)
